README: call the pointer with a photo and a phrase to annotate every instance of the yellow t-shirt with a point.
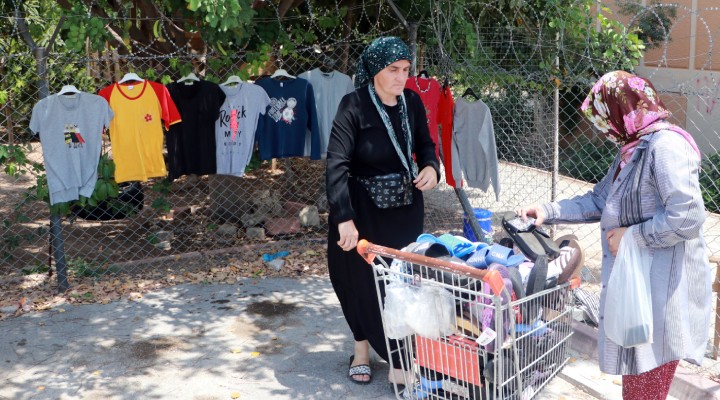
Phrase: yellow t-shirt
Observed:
(136, 132)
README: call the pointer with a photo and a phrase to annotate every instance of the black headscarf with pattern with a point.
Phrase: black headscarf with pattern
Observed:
(382, 52)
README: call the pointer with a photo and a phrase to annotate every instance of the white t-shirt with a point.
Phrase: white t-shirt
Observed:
(329, 89)
(236, 126)
(70, 129)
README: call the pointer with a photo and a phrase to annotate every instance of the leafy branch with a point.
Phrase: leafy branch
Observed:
(653, 22)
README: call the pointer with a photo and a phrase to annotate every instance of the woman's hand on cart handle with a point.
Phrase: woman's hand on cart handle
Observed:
(536, 211)
(426, 179)
(348, 235)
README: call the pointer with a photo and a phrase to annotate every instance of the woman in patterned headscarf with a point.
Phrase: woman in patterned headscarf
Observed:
(376, 132)
(652, 188)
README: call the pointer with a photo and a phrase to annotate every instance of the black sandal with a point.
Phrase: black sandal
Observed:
(357, 370)
(521, 233)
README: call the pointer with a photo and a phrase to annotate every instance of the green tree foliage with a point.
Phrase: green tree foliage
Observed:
(227, 29)
(588, 160)
(653, 22)
(17, 67)
(520, 51)
(710, 182)
(558, 39)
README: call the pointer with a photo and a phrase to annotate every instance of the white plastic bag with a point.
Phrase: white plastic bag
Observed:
(628, 305)
(432, 315)
(424, 310)
(398, 298)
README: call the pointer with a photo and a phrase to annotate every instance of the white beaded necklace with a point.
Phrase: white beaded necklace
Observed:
(417, 83)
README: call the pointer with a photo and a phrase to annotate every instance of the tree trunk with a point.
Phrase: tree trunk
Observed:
(7, 109)
(350, 18)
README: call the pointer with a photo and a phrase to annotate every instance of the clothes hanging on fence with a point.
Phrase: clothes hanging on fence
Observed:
(445, 119)
(430, 92)
(474, 153)
(70, 129)
(136, 132)
(191, 145)
(329, 88)
(235, 129)
(292, 112)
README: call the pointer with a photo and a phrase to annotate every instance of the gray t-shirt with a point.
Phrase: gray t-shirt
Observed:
(70, 129)
(329, 89)
(235, 128)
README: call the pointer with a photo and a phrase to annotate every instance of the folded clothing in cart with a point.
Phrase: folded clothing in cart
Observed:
(456, 246)
(439, 251)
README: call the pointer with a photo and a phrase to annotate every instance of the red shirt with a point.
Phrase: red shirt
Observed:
(429, 91)
(445, 118)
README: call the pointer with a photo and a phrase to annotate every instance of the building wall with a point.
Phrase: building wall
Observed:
(687, 68)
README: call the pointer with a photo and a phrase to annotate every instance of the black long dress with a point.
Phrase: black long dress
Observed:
(360, 146)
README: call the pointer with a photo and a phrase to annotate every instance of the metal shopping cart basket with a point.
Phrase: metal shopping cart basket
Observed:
(472, 339)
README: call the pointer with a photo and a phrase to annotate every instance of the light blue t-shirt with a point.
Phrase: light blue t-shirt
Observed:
(70, 129)
(236, 126)
(329, 88)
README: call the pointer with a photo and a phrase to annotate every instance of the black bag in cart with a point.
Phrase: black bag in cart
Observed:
(532, 240)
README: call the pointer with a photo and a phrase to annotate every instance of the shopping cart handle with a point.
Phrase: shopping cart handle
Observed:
(363, 249)
(368, 251)
(575, 282)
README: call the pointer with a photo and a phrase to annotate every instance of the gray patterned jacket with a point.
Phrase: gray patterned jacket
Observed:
(658, 195)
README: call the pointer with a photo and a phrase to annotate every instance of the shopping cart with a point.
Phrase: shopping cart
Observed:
(496, 348)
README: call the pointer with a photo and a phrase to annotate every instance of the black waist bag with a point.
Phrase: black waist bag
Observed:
(388, 191)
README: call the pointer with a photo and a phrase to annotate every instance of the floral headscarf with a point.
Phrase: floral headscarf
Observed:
(626, 107)
(382, 52)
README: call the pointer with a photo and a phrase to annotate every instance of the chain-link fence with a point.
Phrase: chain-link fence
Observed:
(532, 78)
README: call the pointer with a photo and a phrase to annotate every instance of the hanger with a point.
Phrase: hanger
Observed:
(470, 92)
(68, 89)
(423, 74)
(131, 76)
(232, 79)
(325, 69)
(328, 64)
(191, 77)
(281, 73)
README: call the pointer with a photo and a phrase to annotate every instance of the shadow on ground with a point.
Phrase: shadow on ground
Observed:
(274, 338)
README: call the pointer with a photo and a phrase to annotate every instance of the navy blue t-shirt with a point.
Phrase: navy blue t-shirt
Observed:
(290, 116)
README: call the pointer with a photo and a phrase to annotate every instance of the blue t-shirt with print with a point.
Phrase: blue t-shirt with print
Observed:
(290, 117)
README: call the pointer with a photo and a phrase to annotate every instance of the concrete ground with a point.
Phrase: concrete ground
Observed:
(258, 339)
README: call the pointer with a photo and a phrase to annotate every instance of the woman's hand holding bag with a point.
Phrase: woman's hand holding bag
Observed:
(628, 305)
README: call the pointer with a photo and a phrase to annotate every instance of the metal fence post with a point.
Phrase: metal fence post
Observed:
(556, 127)
(56, 235)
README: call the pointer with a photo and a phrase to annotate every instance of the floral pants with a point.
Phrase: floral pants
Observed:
(650, 385)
